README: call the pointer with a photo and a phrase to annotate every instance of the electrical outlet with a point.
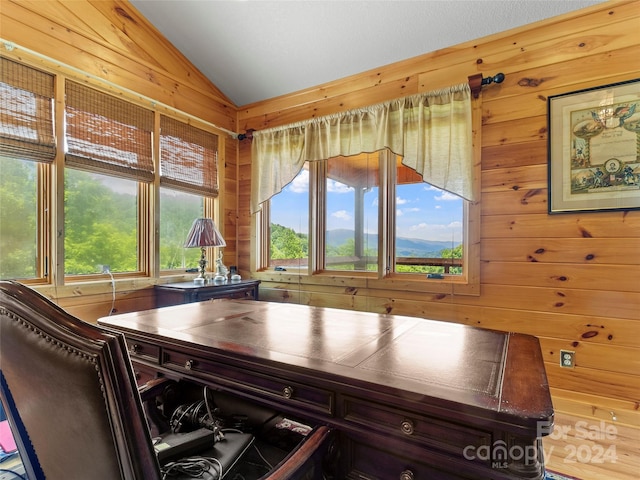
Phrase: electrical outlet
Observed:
(567, 359)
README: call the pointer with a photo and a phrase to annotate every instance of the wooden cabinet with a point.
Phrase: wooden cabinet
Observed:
(187, 292)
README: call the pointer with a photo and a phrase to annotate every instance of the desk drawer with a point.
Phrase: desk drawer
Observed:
(234, 294)
(366, 462)
(446, 436)
(284, 391)
(143, 350)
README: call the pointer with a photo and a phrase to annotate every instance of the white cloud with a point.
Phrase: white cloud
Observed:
(300, 184)
(446, 197)
(401, 201)
(342, 215)
(337, 187)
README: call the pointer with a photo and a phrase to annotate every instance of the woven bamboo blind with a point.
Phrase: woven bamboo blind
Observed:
(188, 158)
(107, 134)
(26, 113)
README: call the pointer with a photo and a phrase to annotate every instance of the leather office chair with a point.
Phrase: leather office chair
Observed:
(71, 398)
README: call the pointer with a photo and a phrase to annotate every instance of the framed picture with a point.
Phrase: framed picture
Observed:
(594, 149)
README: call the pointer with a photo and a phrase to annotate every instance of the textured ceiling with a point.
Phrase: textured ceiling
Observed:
(258, 49)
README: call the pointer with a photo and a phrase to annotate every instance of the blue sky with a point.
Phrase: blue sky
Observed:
(422, 211)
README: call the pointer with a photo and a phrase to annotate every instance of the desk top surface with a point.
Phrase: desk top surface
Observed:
(496, 371)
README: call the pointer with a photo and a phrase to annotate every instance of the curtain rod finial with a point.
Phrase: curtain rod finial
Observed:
(247, 134)
(476, 82)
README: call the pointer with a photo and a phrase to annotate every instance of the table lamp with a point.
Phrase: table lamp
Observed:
(204, 233)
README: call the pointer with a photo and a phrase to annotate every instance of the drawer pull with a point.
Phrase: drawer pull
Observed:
(188, 364)
(407, 427)
(287, 392)
(134, 349)
(407, 475)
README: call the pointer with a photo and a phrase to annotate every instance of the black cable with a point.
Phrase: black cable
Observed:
(21, 477)
(194, 467)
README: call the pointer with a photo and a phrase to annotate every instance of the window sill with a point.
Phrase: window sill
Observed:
(450, 284)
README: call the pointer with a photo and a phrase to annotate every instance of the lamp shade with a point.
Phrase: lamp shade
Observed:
(204, 233)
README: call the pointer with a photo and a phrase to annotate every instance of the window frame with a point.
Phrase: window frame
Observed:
(467, 283)
(50, 254)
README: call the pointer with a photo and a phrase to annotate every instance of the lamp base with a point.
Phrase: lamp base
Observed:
(219, 279)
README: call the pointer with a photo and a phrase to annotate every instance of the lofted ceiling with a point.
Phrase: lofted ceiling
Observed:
(258, 49)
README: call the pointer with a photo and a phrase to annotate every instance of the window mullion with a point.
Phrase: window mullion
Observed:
(263, 237)
(386, 214)
(317, 215)
(56, 262)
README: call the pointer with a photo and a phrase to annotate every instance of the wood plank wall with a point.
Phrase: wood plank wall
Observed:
(569, 279)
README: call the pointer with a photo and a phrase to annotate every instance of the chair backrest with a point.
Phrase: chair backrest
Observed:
(70, 394)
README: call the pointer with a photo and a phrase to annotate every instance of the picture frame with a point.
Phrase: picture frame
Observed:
(594, 149)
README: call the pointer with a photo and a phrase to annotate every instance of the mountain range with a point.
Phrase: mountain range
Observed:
(405, 247)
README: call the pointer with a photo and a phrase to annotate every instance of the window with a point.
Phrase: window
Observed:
(117, 183)
(188, 184)
(352, 214)
(109, 164)
(101, 223)
(351, 234)
(429, 226)
(19, 213)
(432, 133)
(289, 224)
(27, 148)
(177, 212)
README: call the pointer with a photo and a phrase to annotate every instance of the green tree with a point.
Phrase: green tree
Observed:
(18, 219)
(100, 226)
(286, 243)
(177, 213)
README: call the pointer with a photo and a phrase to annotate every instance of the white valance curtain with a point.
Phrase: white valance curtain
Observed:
(431, 131)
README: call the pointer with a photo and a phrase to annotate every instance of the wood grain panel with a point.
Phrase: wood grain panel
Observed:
(595, 409)
(514, 155)
(586, 225)
(592, 381)
(521, 130)
(563, 46)
(590, 355)
(515, 178)
(571, 250)
(552, 76)
(516, 201)
(619, 278)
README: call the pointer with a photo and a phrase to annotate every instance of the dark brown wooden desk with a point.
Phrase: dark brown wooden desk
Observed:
(412, 398)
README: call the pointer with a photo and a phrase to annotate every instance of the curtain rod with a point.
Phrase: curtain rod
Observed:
(476, 82)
